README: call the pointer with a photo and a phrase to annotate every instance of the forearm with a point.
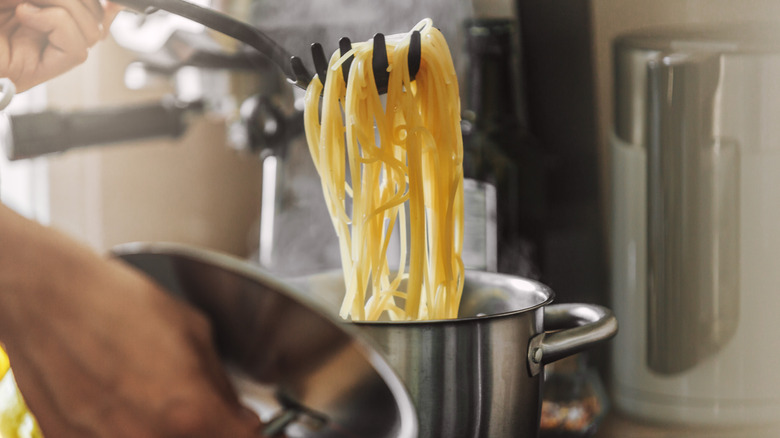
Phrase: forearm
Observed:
(98, 347)
(36, 264)
(18, 277)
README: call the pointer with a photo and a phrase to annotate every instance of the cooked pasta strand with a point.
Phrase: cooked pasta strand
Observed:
(404, 161)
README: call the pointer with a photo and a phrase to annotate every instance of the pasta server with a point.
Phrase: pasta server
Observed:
(292, 66)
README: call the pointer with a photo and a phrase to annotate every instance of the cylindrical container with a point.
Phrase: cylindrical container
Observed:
(696, 167)
(503, 164)
(478, 376)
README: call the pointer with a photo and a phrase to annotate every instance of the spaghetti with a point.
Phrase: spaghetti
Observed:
(404, 163)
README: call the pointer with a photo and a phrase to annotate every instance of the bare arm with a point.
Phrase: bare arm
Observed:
(99, 350)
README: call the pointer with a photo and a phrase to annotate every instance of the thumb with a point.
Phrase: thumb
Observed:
(111, 10)
(10, 4)
(239, 423)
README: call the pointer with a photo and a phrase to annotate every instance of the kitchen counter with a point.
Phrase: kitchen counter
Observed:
(616, 425)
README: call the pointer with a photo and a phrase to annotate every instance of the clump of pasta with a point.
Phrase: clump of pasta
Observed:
(393, 166)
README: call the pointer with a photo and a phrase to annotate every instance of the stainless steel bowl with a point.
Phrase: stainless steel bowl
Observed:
(304, 372)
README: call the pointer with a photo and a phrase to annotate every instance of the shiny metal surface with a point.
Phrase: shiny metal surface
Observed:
(306, 374)
(575, 327)
(671, 107)
(693, 216)
(478, 376)
(633, 53)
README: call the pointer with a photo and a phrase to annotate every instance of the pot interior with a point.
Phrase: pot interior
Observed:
(485, 294)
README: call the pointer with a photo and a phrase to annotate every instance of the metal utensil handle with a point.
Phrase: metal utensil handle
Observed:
(579, 326)
(222, 23)
(34, 134)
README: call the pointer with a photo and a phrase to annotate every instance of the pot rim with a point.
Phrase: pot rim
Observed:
(470, 319)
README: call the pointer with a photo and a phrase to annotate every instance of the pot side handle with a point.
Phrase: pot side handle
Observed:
(569, 329)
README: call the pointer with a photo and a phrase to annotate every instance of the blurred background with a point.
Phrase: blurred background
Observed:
(238, 178)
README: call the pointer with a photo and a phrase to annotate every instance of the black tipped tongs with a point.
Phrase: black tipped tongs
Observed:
(292, 66)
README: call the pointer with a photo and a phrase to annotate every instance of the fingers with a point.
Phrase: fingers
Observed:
(237, 423)
(203, 344)
(63, 32)
(23, 57)
(243, 421)
(7, 11)
(66, 47)
(96, 7)
(8, 5)
(47, 44)
(87, 14)
(49, 37)
(110, 11)
(6, 30)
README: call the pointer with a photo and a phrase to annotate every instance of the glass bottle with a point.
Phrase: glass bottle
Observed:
(503, 163)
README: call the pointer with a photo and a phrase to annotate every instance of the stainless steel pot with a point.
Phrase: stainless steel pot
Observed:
(475, 376)
(479, 375)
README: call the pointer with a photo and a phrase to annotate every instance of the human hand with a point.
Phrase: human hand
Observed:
(97, 349)
(41, 39)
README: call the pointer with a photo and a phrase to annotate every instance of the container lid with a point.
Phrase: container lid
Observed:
(304, 373)
(743, 37)
(635, 51)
